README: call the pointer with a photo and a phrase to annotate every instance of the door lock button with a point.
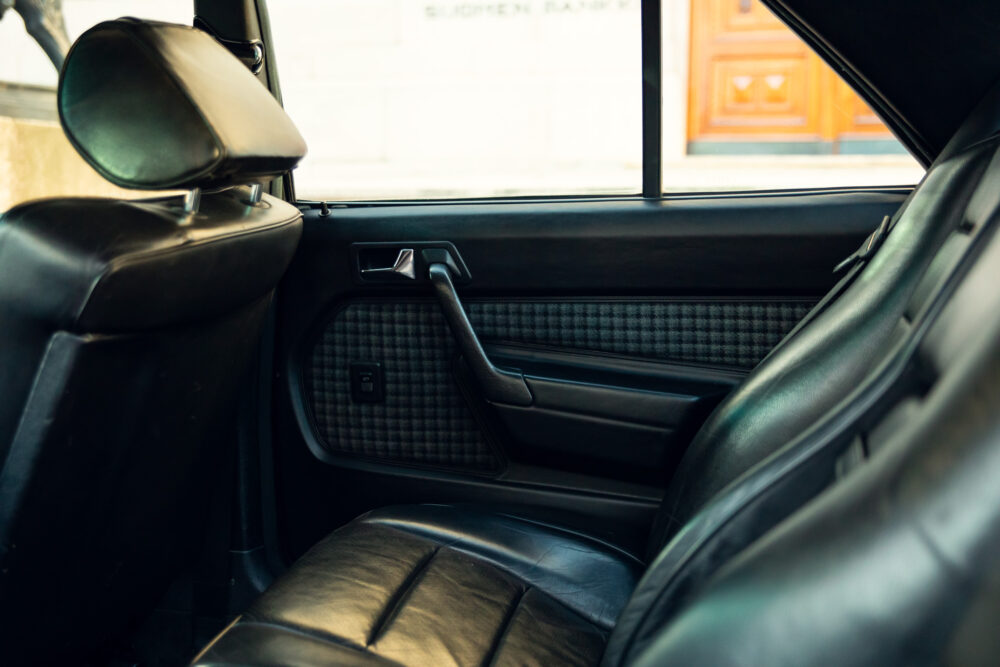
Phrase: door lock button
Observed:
(367, 384)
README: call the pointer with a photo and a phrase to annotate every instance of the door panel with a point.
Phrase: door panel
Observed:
(628, 320)
(424, 419)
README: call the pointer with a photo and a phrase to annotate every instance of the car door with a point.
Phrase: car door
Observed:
(550, 350)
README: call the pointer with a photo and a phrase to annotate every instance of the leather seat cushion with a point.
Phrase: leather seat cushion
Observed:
(436, 584)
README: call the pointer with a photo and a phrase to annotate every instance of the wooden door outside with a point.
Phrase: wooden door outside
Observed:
(756, 87)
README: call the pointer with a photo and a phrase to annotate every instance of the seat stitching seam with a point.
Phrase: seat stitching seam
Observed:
(460, 545)
(311, 633)
(583, 537)
(491, 655)
(396, 601)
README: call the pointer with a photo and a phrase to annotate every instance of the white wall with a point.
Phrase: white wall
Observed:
(403, 97)
(676, 16)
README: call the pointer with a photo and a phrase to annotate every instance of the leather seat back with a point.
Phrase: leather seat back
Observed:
(899, 562)
(960, 195)
(812, 370)
(126, 328)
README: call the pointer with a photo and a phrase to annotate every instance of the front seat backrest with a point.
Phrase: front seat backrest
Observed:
(126, 327)
(812, 370)
(898, 563)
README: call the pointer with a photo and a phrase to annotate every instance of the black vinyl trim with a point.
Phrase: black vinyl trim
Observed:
(901, 190)
(652, 100)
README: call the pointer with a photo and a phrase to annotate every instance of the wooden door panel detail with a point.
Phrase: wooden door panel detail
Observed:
(751, 96)
(753, 80)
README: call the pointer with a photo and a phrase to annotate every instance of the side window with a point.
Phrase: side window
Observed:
(403, 99)
(462, 98)
(36, 159)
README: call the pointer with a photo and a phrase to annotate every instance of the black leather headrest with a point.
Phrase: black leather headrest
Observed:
(157, 105)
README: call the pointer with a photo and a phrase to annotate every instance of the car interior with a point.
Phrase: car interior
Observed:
(728, 428)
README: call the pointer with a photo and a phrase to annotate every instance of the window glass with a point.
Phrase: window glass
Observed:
(748, 105)
(462, 98)
(36, 159)
(466, 98)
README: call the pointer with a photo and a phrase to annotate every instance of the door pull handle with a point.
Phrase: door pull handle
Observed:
(498, 385)
(403, 266)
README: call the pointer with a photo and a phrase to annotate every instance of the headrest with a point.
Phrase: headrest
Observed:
(157, 106)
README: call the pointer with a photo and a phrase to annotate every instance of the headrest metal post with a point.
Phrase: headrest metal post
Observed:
(192, 200)
(256, 191)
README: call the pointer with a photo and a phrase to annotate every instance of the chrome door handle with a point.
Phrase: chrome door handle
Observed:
(403, 266)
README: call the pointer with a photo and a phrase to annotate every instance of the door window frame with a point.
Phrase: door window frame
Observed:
(651, 19)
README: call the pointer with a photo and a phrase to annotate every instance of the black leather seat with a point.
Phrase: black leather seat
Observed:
(811, 371)
(125, 328)
(436, 585)
(730, 587)
(897, 564)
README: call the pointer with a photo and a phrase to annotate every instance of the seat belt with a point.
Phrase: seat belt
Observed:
(868, 248)
(853, 264)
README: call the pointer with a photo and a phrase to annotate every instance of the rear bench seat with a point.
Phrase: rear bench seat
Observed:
(438, 585)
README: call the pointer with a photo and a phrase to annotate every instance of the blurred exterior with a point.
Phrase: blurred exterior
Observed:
(436, 98)
(36, 160)
(468, 98)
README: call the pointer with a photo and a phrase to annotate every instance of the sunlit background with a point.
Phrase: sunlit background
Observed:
(404, 98)
(466, 98)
